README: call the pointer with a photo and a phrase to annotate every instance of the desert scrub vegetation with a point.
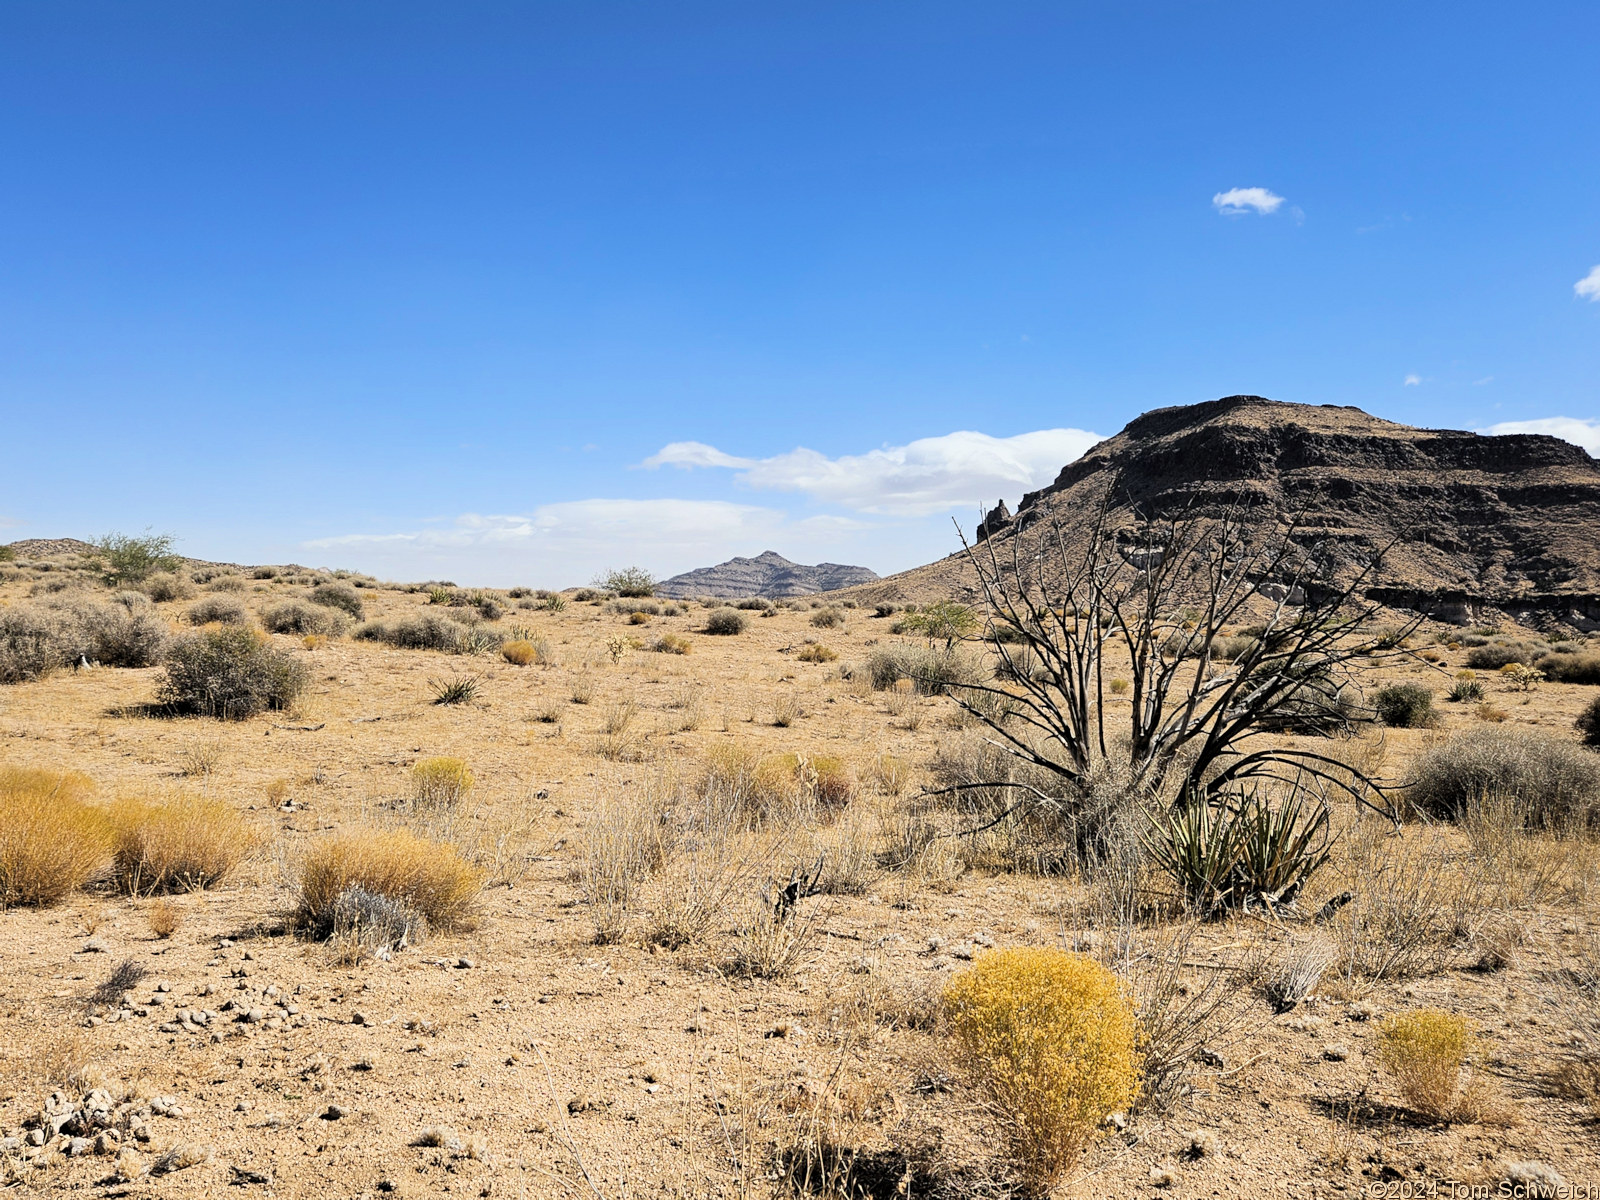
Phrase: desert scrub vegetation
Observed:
(52, 841)
(1425, 1051)
(440, 782)
(827, 618)
(1051, 1038)
(1588, 723)
(933, 670)
(725, 622)
(35, 640)
(340, 596)
(176, 844)
(1556, 781)
(429, 631)
(297, 617)
(672, 643)
(627, 581)
(816, 652)
(165, 586)
(127, 558)
(1404, 705)
(624, 843)
(217, 610)
(229, 673)
(520, 653)
(431, 878)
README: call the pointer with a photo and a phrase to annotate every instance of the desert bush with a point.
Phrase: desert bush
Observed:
(264, 573)
(338, 595)
(365, 924)
(1404, 705)
(1467, 688)
(430, 877)
(1588, 723)
(33, 643)
(933, 670)
(816, 652)
(827, 618)
(223, 583)
(753, 604)
(129, 559)
(176, 844)
(629, 581)
(218, 610)
(1051, 1037)
(773, 940)
(725, 622)
(426, 631)
(1571, 668)
(519, 653)
(229, 673)
(624, 843)
(629, 607)
(1296, 974)
(51, 841)
(294, 616)
(125, 633)
(440, 781)
(888, 774)
(1500, 654)
(980, 785)
(1425, 1052)
(165, 585)
(458, 689)
(1557, 781)
(672, 643)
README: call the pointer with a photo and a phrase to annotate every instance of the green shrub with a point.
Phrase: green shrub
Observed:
(629, 581)
(229, 673)
(293, 616)
(426, 631)
(218, 610)
(1496, 655)
(1404, 705)
(337, 595)
(725, 622)
(1051, 1037)
(1466, 688)
(755, 604)
(1588, 723)
(1554, 780)
(129, 559)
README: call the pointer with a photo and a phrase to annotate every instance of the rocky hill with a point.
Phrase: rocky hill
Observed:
(768, 574)
(1509, 523)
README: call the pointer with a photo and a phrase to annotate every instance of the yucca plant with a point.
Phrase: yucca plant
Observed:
(460, 689)
(1227, 852)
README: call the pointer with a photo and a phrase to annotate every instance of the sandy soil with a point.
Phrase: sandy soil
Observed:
(567, 1068)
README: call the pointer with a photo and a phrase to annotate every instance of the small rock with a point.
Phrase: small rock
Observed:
(1117, 1120)
(247, 956)
(580, 1104)
(78, 1146)
(107, 1141)
(1336, 1052)
(358, 1018)
(256, 1015)
(163, 986)
(243, 1106)
(1203, 1144)
(1163, 1176)
(94, 946)
(243, 1177)
(465, 964)
(652, 1088)
(1534, 1179)
(1361, 1010)
(334, 1113)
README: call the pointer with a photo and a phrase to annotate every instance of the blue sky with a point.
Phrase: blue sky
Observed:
(510, 293)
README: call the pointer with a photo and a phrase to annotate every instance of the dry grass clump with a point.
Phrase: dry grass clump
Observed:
(440, 781)
(888, 774)
(166, 585)
(519, 653)
(1425, 1052)
(624, 843)
(430, 877)
(51, 841)
(229, 673)
(1557, 781)
(1051, 1037)
(932, 670)
(176, 844)
(293, 616)
(816, 652)
(165, 918)
(338, 595)
(827, 618)
(672, 643)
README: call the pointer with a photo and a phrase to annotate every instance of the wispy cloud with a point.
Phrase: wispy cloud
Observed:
(1237, 202)
(1588, 288)
(1413, 381)
(930, 475)
(1569, 429)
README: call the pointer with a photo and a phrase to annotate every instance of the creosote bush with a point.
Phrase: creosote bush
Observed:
(229, 673)
(1404, 705)
(218, 610)
(1588, 723)
(51, 841)
(430, 877)
(1051, 1037)
(176, 844)
(440, 781)
(166, 585)
(1425, 1052)
(629, 581)
(725, 622)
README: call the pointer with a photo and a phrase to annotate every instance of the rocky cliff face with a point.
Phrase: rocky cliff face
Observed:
(1477, 522)
(768, 574)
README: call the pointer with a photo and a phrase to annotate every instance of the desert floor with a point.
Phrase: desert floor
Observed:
(567, 1068)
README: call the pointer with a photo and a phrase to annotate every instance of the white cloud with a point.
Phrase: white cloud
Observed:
(689, 455)
(1568, 429)
(1413, 380)
(1236, 202)
(1589, 286)
(930, 475)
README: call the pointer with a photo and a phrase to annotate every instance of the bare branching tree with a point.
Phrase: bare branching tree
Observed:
(1142, 609)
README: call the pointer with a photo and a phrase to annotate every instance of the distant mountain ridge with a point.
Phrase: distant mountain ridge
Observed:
(767, 574)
